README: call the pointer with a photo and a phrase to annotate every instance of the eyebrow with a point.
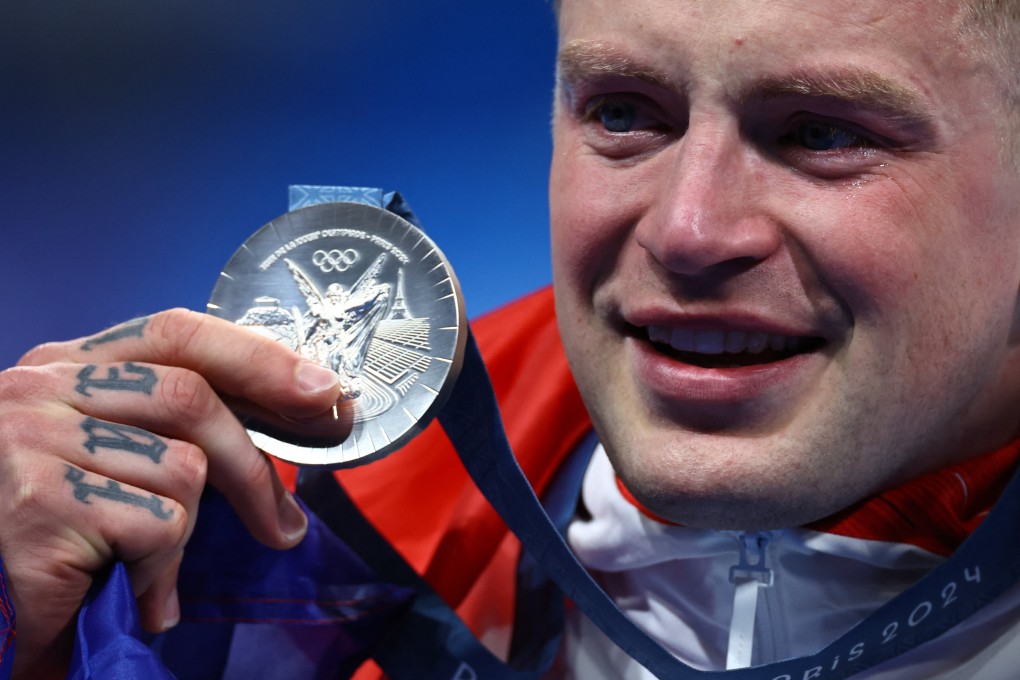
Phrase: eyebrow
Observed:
(856, 87)
(581, 60)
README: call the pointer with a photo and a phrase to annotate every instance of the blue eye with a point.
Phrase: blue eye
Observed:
(616, 116)
(821, 136)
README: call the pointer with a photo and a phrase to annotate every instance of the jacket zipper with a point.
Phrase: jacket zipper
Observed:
(750, 574)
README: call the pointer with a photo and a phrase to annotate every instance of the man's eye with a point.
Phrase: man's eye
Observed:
(614, 115)
(625, 125)
(822, 136)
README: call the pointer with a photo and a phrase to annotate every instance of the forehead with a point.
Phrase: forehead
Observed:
(788, 17)
(913, 55)
(912, 36)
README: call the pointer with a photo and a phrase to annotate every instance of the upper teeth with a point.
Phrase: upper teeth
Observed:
(718, 342)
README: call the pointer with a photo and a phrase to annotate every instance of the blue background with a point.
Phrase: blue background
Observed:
(142, 142)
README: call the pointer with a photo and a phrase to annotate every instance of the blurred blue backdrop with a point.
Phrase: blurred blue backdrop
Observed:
(142, 142)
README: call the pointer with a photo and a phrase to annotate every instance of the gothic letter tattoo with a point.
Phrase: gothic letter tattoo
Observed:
(123, 437)
(113, 492)
(131, 329)
(114, 381)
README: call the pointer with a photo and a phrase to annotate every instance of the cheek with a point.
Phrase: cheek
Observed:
(882, 248)
(593, 209)
(918, 263)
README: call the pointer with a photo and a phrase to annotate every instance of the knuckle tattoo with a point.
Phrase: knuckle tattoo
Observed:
(134, 328)
(126, 377)
(86, 486)
(119, 437)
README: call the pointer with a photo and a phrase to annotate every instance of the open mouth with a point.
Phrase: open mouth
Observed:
(725, 349)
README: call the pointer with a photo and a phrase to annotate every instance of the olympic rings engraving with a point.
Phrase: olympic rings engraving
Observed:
(335, 260)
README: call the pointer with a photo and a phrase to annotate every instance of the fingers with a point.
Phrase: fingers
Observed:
(159, 606)
(167, 467)
(146, 372)
(107, 442)
(76, 481)
(146, 530)
(234, 360)
(62, 524)
(79, 486)
(173, 411)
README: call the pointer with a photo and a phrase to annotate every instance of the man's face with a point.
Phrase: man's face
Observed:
(786, 249)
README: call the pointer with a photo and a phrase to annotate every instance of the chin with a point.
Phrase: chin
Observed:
(722, 492)
(727, 512)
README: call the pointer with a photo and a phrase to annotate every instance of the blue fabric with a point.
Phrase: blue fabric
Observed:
(430, 642)
(313, 611)
(109, 642)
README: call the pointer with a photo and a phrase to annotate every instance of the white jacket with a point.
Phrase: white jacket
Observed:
(804, 589)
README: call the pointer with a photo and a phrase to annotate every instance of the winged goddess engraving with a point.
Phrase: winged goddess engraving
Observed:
(338, 326)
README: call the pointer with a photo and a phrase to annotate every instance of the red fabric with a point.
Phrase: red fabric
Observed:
(936, 512)
(425, 504)
(421, 498)
(625, 492)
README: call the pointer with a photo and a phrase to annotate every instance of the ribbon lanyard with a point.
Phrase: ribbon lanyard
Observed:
(982, 568)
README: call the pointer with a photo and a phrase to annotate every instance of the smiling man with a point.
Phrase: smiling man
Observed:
(786, 250)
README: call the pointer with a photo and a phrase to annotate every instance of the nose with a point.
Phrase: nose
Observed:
(707, 215)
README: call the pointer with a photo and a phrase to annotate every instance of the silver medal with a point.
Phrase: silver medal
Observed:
(365, 293)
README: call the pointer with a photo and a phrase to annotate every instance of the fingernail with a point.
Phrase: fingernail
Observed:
(171, 611)
(314, 378)
(293, 522)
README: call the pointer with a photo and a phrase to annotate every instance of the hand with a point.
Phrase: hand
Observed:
(105, 446)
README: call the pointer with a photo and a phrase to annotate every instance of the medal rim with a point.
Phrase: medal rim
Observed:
(307, 455)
